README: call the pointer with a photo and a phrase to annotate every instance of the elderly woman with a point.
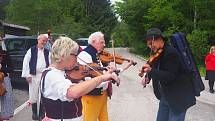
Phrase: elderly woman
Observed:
(60, 96)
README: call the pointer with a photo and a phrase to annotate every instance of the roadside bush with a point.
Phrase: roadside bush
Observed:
(198, 42)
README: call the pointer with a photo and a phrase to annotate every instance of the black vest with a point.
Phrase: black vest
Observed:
(93, 53)
(33, 60)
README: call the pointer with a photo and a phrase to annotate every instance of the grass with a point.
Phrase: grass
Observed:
(202, 70)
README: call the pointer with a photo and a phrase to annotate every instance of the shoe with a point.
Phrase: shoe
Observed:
(34, 116)
(212, 91)
(34, 111)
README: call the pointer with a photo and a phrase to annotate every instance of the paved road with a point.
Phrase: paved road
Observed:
(130, 102)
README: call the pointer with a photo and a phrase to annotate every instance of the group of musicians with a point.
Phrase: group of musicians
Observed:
(52, 76)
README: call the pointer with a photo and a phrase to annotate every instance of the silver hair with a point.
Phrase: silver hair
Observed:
(63, 46)
(95, 36)
(42, 35)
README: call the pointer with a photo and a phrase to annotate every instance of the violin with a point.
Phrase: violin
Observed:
(151, 61)
(106, 57)
(80, 71)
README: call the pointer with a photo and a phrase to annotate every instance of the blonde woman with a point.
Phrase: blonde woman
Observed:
(60, 96)
(210, 68)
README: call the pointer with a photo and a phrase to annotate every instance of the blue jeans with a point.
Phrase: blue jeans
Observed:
(166, 114)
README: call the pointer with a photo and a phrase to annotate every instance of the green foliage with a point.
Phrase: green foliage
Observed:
(79, 18)
(202, 70)
(163, 15)
(122, 35)
(198, 44)
(170, 16)
(132, 12)
(140, 48)
(76, 18)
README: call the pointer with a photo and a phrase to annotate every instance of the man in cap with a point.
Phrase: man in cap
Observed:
(171, 85)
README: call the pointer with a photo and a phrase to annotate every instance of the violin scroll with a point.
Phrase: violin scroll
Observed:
(151, 61)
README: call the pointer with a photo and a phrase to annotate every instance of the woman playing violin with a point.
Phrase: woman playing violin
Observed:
(61, 97)
(172, 87)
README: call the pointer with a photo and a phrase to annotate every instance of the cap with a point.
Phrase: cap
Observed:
(153, 33)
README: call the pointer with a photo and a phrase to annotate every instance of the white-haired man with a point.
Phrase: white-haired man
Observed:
(35, 61)
(95, 102)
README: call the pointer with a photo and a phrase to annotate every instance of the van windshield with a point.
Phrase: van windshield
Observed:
(82, 42)
(19, 45)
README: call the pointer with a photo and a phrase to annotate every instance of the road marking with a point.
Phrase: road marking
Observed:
(21, 107)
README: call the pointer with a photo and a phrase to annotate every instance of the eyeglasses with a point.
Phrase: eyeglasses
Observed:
(74, 54)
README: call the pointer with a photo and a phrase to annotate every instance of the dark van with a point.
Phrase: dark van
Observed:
(16, 47)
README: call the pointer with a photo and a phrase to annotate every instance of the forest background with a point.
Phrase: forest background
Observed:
(125, 21)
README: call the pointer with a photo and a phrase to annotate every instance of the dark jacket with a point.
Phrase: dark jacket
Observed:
(170, 81)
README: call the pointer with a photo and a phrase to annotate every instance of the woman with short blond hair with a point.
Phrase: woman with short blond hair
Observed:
(210, 68)
(60, 96)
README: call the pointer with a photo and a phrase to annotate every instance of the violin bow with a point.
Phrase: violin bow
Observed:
(114, 58)
(150, 54)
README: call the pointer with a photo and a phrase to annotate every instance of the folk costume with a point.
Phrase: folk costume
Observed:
(95, 102)
(54, 86)
(35, 61)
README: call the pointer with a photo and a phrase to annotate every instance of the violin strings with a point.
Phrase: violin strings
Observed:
(90, 66)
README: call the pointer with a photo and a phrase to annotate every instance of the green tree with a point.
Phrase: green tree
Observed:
(198, 44)
(39, 15)
(170, 16)
(3, 3)
(162, 15)
(99, 16)
(132, 15)
(76, 18)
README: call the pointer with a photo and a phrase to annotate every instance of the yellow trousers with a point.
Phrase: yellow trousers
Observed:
(95, 107)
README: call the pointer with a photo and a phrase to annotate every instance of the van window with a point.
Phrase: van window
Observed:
(16, 45)
(82, 42)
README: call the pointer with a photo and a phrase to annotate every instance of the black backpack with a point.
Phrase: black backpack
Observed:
(178, 41)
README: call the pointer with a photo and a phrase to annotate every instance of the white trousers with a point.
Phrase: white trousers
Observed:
(34, 88)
